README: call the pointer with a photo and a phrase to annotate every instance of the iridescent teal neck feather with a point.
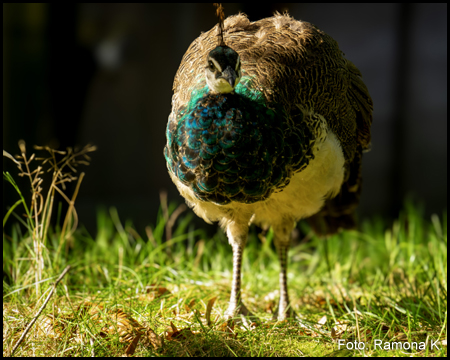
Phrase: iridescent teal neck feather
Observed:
(233, 147)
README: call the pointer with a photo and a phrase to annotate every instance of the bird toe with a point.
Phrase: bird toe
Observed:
(241, 314)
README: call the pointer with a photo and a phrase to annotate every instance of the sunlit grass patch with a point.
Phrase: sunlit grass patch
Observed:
(163, 293)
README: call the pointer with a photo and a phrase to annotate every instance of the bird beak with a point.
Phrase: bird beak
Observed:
(229, 75)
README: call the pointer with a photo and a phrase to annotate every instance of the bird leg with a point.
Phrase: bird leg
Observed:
(282, 238)
(237, 236)
(284, 308)
(236, 307)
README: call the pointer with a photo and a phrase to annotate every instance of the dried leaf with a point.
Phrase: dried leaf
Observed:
(322, 301)
(401, 336)
(227, 327)
(338, 329)
(155, 292)
(51, 326)
(208, 310)
(156, 341)
(88, 307)
(132, 347)
(178, 334)
(192, 303)
(124, 325)
(174, 328)
(322, 320)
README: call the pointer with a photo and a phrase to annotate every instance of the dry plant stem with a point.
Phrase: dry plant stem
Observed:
(151, 238)
(46, 217)
(70, 210)
(25, 332)
(173, 218)
(50, 198)
(59, 177)
(35, 190)
(170, 220)
(91, 341)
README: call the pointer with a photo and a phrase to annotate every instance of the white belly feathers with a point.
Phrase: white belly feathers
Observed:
(303, 197)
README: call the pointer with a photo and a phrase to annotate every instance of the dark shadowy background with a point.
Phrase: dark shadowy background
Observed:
(103, 74)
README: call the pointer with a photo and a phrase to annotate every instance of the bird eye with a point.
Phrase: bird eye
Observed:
(211, 65)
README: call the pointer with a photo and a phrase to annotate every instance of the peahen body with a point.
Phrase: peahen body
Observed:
(268, 126)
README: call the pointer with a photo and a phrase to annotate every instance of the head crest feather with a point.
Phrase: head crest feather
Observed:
(221, 16)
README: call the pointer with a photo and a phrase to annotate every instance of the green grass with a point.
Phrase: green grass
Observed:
(385, 281)
(396, 278)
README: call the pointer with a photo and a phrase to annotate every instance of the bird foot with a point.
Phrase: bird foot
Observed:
(240, 313)
(284, 313)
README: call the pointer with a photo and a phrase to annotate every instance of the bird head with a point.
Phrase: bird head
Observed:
(223, 69)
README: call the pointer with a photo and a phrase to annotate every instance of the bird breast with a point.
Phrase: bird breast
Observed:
(227, 147)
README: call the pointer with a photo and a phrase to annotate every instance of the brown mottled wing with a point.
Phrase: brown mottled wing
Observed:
(339, 212)
(295, 65)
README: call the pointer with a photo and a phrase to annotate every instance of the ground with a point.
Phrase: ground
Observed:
(153, 295)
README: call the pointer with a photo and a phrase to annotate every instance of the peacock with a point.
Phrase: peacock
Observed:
(268, 125)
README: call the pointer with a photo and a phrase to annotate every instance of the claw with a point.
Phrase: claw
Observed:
(284, 312)
(241, 314)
